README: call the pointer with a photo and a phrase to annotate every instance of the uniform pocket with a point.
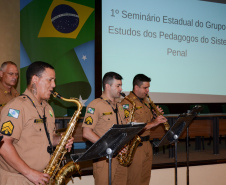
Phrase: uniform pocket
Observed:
(38, 133)
(139, 115)
(107, 118)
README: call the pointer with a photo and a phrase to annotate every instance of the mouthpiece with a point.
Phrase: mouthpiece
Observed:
(55, 94)
(122, 94)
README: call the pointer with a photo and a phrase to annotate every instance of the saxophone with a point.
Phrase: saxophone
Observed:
(125, 159)
(166, 124)
(56, 158)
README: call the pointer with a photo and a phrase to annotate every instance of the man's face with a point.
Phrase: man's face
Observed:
(9, 76)
(116, 88)
(143, 90)
(45, 84)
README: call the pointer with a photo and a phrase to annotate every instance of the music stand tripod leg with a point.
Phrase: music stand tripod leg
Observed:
(109, 156)
(176, 163)
(176, 141)
(187, 140)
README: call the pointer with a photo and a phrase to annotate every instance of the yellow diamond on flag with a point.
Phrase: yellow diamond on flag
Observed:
(64, 19)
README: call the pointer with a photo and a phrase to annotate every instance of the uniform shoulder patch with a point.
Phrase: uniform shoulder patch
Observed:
(125, 106)
(90, 110)
(7, 128)
(120, 107)
(13, 113)
(126, 113)
(148, 105)
(50, 113)
(89, 120)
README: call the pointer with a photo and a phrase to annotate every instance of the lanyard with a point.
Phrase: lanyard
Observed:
(114, 110)
(142, 101)
(50, 147)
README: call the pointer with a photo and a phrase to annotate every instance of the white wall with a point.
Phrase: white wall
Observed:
(199, 175)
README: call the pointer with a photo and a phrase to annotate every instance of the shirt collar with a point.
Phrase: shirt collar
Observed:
(4, 89)
(105, 97)
(141, 99)
(34, 99)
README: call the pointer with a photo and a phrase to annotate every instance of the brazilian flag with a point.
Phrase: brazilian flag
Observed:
(50, 30)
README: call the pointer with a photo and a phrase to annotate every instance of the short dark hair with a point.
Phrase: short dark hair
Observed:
(139, 79)
(4, 64)
(36, 68)
(108, 78)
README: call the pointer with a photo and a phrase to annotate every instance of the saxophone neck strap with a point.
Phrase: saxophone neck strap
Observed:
(50, 147)
(136, 97)
(142, 101)
(114, 110)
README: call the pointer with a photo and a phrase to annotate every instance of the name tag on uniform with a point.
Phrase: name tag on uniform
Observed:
(38, 121)
(139, 107)
(107, 113)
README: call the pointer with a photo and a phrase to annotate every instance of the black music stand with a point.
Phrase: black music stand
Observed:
(110, 143)
(173, 134)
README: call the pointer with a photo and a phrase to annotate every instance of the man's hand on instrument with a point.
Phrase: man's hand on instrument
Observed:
(160, 109)
(158, 120)
(38, 178)
(69, 144)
